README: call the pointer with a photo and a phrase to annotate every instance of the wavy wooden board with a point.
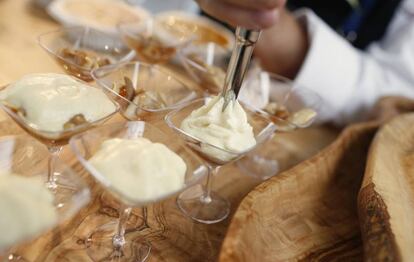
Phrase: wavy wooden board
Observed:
(310, 212)
(386, 199)
(306, 213)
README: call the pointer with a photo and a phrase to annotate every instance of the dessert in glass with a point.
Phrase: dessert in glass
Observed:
(139, 165)
(28, 208)
(79, 50)
(220, 137)
(201, 29)
(143, 91)
(53, 108)
(290, 107)
(101, 15)
(153, 42)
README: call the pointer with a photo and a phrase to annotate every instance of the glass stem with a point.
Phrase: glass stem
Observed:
(206, 198)
(119, 238)
(53, 156)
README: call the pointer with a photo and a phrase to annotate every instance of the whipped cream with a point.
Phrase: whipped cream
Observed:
(51, 100)
(140, 169)
(228, 130)
(26, 209)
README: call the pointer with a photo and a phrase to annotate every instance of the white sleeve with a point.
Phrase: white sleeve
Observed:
(349, 80)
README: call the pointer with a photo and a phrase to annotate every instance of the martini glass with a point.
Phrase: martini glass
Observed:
(154, 42)
(200, 29)
(54, 141)
(79, 50)
(208, 206)
(25, 157)
(291, 100)
(109, 242)
(143, 91)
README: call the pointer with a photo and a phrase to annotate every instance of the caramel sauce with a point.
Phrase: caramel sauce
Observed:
(79, 63)
(204, 33)
(151, 50)
(75, 121)
(278, 111)
(48, 141)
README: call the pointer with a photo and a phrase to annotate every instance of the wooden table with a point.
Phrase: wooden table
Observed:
(174, 237)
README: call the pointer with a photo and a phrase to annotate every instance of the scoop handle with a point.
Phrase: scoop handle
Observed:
(239, 62)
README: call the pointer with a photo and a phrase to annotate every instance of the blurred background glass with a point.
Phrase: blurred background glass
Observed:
(158, 6)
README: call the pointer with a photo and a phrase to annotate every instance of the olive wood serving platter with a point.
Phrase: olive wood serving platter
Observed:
(386, 198)
(318, 211)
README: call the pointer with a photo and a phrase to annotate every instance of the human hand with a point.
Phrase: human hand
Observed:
(250, 14)
(282, 48)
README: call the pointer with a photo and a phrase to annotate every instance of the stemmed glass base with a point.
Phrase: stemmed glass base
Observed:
(202, 204)
(105, 244)
(204, 209)
(51, 176)
(258, 166)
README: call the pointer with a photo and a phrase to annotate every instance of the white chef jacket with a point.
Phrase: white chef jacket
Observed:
(349, 80)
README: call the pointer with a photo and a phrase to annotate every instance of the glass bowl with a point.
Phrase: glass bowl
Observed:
(102, 243)
(153, 42)
(79, 50)
(143, 91)
(210, 207)
(293, 107)
(281, 99)
(200, 29)
(54, 141)
(26, 157)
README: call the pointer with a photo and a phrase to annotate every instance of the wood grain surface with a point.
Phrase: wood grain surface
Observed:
(306, 213)
(310, 212)
(386, 200)
(174, 237)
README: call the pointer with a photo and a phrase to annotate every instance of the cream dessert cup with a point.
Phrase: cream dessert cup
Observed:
(54, 107)
(248, 130)
(154, 42)
(139, 165)
(28, 208)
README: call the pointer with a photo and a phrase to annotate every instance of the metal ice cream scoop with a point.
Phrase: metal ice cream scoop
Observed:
(239, 62)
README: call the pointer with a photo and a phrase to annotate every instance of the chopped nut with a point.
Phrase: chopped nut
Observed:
(127, 90)
(87, 59)
(144, 98)
(152, 49)
(277, 110)
(75, 121)
(18, 110)
(22, 112)
(303, 118)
